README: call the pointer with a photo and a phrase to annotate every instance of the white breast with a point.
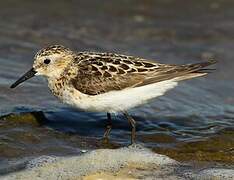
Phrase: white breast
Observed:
(116, 101)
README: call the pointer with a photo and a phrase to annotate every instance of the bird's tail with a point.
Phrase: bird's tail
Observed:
(196, 70)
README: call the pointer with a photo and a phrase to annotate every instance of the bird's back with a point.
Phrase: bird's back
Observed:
(99, 73)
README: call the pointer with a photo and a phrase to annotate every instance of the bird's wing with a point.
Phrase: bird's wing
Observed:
(103, 72)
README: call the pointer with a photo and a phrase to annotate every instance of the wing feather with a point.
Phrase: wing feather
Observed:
(98, 73)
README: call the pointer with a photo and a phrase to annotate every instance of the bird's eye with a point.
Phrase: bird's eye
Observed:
(47, 61)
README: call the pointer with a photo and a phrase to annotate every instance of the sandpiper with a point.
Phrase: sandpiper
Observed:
(107, 82)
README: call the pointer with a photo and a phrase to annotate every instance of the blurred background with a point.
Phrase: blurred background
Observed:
(193, 122)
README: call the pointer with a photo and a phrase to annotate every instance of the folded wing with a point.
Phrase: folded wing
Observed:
(103, 72)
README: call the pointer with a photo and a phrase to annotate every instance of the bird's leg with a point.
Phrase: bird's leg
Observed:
(108, 127)
(133, 126)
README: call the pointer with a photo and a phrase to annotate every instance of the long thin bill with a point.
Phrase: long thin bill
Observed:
(25, 77)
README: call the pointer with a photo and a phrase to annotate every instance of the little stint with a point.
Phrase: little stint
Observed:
(107, 82)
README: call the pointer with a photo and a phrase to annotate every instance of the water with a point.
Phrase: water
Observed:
(195, 117)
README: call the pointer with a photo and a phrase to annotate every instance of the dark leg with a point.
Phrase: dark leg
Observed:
(108, 127)
(133, 126)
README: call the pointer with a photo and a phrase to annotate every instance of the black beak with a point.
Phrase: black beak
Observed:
(26, 76)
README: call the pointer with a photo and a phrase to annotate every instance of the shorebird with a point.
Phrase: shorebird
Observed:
(107, 82)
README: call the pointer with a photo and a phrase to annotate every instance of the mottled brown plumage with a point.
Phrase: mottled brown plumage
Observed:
(99, 73)
(50, 50)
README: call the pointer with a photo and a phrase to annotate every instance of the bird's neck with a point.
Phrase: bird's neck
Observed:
(58, 84)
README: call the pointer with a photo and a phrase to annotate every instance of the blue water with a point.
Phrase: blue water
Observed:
(165, 31)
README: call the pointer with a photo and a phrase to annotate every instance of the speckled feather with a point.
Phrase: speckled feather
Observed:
(102, 72)
(50, 50)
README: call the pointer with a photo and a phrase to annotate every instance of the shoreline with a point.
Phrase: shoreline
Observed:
(133, 162)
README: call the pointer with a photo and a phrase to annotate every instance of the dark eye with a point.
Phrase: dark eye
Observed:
(47, 61)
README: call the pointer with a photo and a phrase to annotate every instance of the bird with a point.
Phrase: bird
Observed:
(108, 82)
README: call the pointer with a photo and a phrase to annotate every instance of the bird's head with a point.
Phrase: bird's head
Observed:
(50, 62)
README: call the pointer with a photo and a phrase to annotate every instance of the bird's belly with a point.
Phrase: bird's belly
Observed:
(115, 101)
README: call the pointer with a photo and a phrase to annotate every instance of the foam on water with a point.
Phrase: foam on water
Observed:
(47, 167)
(132, 162)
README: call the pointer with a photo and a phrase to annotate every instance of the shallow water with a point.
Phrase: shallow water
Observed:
(194, 121)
